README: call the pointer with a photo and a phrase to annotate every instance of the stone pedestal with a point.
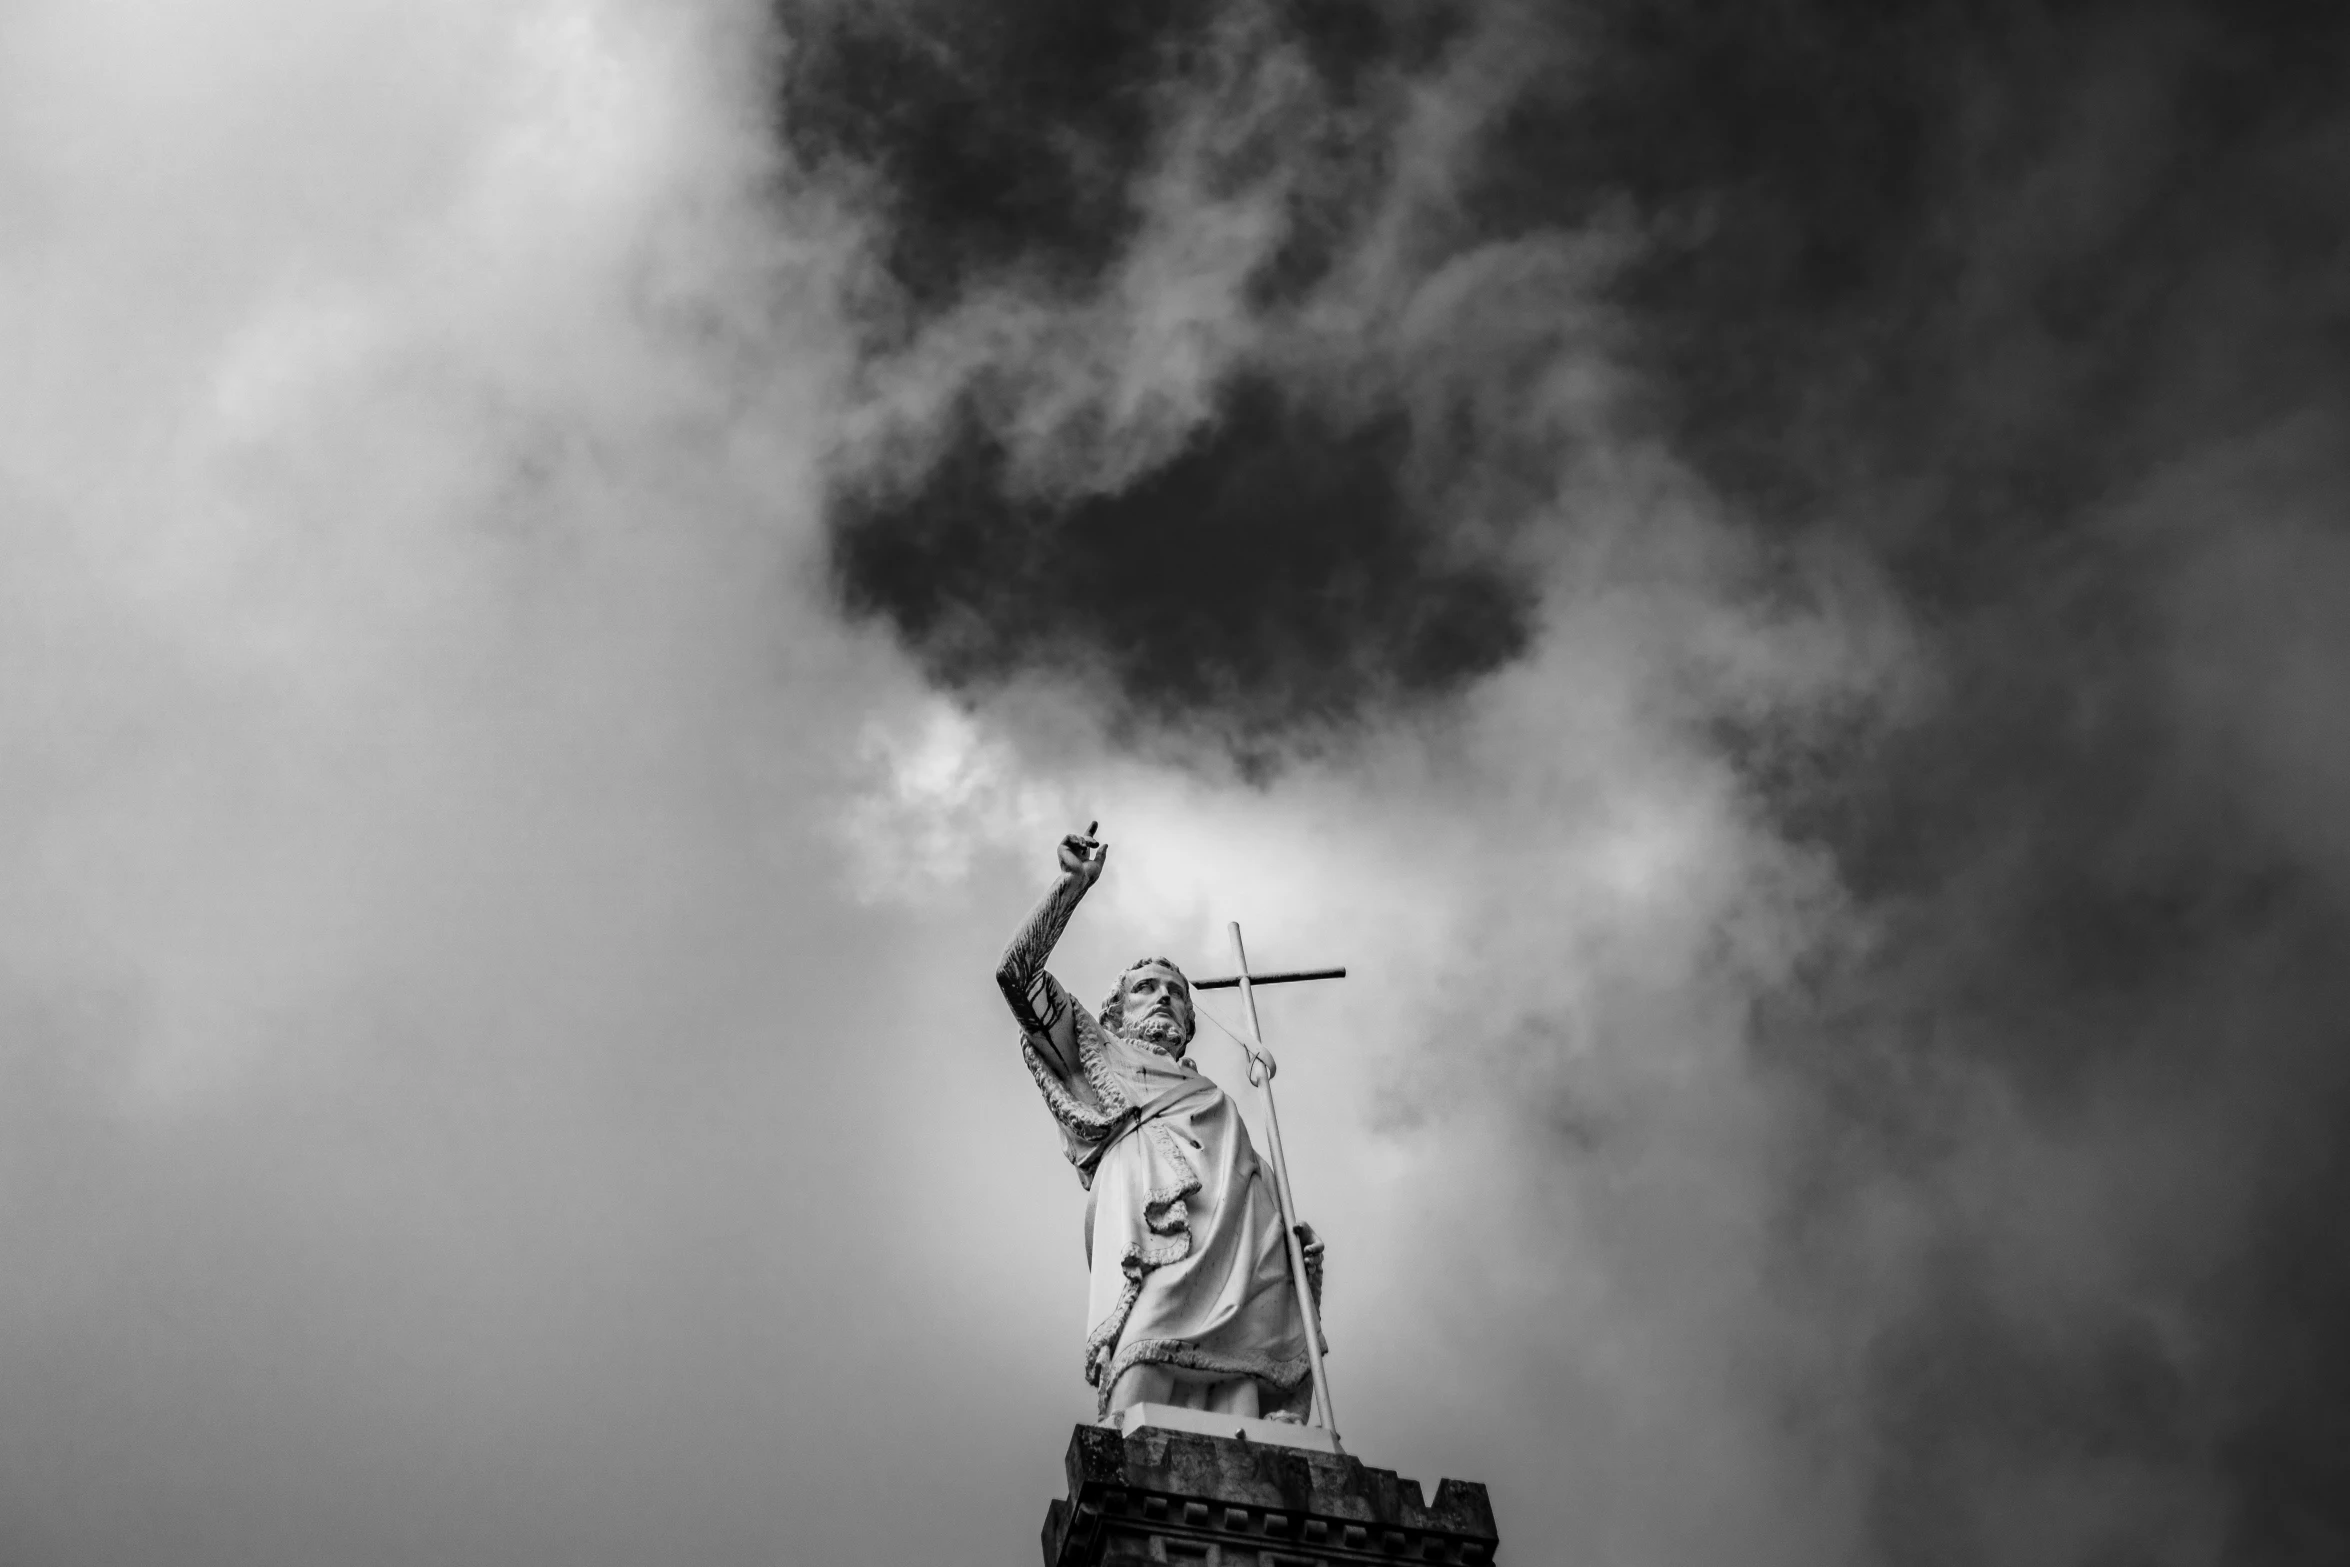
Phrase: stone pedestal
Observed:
(1161, 1496)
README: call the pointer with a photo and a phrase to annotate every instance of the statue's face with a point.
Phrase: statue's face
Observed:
(1155, 1008)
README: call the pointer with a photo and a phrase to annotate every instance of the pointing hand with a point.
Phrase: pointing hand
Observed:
(1082, 854)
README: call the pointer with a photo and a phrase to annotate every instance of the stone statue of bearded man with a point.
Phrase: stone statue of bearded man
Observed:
(1190, 1301)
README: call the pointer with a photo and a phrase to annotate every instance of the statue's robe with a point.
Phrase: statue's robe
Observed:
(1182, 1231)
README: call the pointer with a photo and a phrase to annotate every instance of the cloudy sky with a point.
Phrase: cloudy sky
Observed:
(1770, 578)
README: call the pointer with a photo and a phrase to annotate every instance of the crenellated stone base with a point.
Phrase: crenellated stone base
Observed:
(1161, 1496)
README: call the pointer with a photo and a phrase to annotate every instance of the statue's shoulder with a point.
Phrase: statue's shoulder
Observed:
(1087, 1025)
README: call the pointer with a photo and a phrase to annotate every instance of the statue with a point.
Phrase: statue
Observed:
(1190, 1299)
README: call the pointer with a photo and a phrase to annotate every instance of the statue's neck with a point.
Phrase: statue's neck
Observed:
(1171, 1050)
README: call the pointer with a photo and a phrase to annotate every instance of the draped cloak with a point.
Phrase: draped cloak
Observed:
(1188, 1266)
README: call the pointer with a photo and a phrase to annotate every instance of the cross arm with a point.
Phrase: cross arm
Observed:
(1285, 977)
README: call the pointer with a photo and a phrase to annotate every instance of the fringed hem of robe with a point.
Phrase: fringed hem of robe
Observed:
(1089, 1131)
(1288, 1378)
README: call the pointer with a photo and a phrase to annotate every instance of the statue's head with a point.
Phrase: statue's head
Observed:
(1151, 1006)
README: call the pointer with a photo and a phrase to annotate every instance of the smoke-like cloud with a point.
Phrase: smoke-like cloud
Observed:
(1889, 453)
(1767, 577)
(414, 731)
(1122, 321)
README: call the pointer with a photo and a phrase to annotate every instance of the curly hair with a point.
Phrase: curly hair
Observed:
(1112, 1012)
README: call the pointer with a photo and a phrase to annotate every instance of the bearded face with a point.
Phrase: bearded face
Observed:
(1161, 1032)
(1155, 1009)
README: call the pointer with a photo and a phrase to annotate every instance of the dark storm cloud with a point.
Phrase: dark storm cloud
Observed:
(2040, 311)
(1001, 135)
(1010, 135)
(1285, 562)
(2043, 309)
(1265, 548)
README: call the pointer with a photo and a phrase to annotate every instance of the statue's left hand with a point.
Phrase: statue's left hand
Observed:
(1311, 1244)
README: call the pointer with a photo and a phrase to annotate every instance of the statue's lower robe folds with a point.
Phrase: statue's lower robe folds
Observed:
(1189, 1271)
(1182, 1234)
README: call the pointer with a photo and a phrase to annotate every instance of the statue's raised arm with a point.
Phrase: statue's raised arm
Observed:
(1042, 1007)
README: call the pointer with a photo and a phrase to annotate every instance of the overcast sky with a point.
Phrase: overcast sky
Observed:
(1769, 579)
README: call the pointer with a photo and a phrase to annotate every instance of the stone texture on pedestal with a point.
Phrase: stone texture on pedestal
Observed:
(1171, 1496)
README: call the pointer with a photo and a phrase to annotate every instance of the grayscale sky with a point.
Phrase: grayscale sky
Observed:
(1771, 583)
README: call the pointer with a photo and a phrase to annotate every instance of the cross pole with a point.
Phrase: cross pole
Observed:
(1260, 1057)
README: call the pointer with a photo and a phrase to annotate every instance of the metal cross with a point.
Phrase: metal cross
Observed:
(1260, 1057)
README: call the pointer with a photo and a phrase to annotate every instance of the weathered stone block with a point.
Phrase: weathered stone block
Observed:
(1177, 1497)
